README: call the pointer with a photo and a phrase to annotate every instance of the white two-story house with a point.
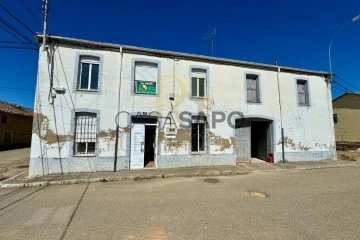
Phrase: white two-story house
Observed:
(106, 107)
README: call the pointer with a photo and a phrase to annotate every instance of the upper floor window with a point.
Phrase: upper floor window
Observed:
(335, 117)
(198, 83)
(89, 73)
(85, 133)
(303, 92)
(146, 77)
(252, 88)
(3, 119)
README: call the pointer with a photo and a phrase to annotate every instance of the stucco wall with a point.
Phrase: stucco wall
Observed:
(347, 108)
(308, 130)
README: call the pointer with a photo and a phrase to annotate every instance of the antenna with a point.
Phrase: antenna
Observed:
(210, 36)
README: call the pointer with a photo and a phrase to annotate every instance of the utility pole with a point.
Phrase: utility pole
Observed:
(45, 12)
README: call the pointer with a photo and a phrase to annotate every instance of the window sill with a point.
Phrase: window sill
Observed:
(198, 153)
(84, 155)
(303, 105)
(198, 98)
(254, 102)
(87, 90)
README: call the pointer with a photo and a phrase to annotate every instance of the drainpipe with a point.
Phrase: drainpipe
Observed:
(118, 110)
(281, 116)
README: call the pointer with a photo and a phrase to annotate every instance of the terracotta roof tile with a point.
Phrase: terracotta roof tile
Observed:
(15, 109)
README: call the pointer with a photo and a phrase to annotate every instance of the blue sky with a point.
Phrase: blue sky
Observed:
(296, 32)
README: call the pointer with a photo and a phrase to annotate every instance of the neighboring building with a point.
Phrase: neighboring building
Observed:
(346, 110)
(168, 105)
(15, 125)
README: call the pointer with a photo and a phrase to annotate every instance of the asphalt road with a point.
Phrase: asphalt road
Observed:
(313, 204)
(13, 162)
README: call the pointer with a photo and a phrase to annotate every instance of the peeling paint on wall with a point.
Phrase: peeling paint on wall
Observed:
(48, 134)
(182, 139)
(289, 143)
(109, 134)
(221, 143)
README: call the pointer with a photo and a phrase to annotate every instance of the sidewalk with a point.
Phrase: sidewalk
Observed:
(22, 180)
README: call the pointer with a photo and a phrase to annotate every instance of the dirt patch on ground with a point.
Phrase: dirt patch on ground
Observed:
(348, 155)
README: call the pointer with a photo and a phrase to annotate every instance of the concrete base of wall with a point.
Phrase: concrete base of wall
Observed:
(45, 166)
(174, 161)
(39, 167)
(306, 156)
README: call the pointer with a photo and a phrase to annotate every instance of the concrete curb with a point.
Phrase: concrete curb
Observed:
(198, 173)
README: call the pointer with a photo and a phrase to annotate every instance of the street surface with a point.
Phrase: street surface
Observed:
(13, 162)
(311, 204)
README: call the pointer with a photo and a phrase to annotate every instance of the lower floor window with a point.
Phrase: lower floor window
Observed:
(85, 133)
(198, 134)
(85, 148)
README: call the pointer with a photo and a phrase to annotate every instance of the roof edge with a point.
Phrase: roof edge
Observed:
(165, 53)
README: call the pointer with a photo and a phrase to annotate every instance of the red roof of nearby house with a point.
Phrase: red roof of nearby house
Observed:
(15, 109)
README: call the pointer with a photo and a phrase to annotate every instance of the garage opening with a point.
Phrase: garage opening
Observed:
(253, 139)
(260, 139)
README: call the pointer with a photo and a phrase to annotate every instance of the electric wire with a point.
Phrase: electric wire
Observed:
(17, 19)
(17, 31)
(14, 35)
(31, 13)
(346, 82)
(15, 88)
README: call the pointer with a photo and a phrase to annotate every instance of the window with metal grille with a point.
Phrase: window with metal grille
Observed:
(89, 73)
(198, 83)
(85, 133)
(252, 88)
(303, 92)
(198, 134)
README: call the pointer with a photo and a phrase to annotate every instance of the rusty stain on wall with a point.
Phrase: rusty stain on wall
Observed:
(222, 143)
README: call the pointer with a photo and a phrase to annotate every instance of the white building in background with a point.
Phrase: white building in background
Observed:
(172, 110)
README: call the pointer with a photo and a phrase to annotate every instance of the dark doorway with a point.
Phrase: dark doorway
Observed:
(260, 139)
(149, 148)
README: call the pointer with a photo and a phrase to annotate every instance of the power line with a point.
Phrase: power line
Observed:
(31, 13)
(15, 88)
(18, 20)
(1, 41)
(339, 89)
(340, 78)
(348, 90)
(13, 34)
(16, 31)
(19, 47)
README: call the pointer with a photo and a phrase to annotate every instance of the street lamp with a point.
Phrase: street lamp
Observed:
(355, 19)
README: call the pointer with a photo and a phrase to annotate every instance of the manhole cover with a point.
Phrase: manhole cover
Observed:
(211, 180)
(258, 194)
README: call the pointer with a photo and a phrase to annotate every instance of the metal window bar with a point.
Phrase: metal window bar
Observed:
(85, 131)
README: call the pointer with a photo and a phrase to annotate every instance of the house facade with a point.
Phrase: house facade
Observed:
(15, 126)
(346, 108)
(116, 107)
